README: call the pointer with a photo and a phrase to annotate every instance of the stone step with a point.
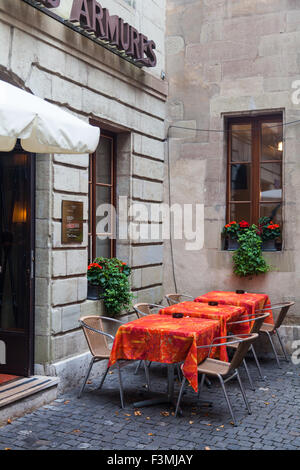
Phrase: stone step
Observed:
(25, 395)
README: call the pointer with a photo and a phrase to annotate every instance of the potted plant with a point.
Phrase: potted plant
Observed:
(95, 281)
(231, 233)
(268, 232)
(248, 259)
(113, 280)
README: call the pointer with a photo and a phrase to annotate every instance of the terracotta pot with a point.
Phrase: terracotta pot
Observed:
(94, 292)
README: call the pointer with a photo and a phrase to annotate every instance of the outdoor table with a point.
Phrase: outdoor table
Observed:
(251, 302)
(224, 314)
(168, 340)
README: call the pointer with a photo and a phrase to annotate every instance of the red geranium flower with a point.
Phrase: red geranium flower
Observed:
(94, 265)
(244, 224)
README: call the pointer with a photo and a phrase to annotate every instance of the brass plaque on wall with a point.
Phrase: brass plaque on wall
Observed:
(72, 222)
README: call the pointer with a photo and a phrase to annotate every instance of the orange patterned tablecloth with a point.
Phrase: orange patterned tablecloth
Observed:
(224, 314)
(159, 338)
(251, 302)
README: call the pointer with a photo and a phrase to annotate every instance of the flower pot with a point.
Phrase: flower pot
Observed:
(233, 245)
(269, 245)
(94, 292)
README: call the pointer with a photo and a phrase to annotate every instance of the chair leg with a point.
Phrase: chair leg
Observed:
(243, 393)
(274, 350)
(179, 375)
(103, 378)
(180, 396)
(121, 386)
(257, 362)
(249, 376)
(208, 382)
(86, 377)
(137, 367)
(147, 374)
(282, 346)
(201, 385)
(227, 399)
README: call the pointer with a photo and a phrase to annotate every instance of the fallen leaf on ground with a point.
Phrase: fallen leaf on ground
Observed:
(191, 422)
(138, 413)
(150, 434)
(7, 448)
(148, 417)
(127, 414)
(76, 431)
(165, 413)
(8, 421)
(67, 402)
(207, 448)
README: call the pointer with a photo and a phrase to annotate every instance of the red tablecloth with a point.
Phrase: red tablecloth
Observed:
(159, 338)
(251, 302)
(224, 313)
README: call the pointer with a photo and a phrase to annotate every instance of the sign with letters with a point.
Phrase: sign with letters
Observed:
(96, 21)
(72, 222)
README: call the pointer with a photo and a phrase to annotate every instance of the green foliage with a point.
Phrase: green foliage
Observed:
(231, 230)
(248, 259)
(113, 277)
(267, 230)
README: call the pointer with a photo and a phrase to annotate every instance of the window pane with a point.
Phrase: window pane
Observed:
(272, 210)
(241, 143)
(239, 212)
(103, 210)
(103, 247)
(240, 182)
(271, 141)
(271, 181)
(103, 161)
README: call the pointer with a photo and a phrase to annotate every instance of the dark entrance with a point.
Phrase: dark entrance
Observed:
(17, 181)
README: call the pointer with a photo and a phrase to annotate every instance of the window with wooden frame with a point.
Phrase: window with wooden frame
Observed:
(255, 169)
(102, 198)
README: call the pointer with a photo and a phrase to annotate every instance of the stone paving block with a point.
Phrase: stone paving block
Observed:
(96, 421)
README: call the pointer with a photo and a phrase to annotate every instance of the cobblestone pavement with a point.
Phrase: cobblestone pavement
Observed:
(96, 421)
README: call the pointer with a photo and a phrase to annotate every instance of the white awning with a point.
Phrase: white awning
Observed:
(41, 126)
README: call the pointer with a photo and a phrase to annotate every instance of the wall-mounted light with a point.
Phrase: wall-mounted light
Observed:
(280, 146)
(19, 213)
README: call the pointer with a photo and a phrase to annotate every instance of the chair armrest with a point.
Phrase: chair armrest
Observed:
(112, 319)
(235, 340)
(95, 330)
(250, 318)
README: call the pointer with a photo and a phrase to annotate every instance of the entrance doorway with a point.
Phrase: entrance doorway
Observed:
(17, 184)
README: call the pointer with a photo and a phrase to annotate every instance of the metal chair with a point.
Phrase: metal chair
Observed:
(220, 369)
(144, 309)
(97, 341)
(173, 299)
(271, 330)
(257, 320)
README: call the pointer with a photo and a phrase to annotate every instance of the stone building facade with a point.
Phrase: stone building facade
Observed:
(226, 59)
(56, 63)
